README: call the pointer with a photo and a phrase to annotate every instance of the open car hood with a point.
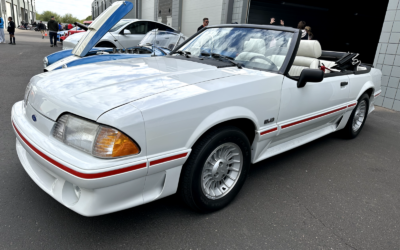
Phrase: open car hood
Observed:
(101, 26)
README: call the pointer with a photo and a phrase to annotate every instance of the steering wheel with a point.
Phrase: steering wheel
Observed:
(267, 60)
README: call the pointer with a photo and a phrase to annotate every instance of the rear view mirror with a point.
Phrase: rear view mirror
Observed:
(127, 32)
(310, 75)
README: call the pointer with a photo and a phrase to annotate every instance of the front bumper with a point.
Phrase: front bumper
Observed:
(111, 188)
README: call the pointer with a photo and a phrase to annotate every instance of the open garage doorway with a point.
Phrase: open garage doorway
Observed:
(341, 25)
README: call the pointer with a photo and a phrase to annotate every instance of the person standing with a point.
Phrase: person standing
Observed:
(52, 25)
(272, 22)
(2, 37)
(205, 23)
(60, 28)
(301, 26)
(42, 29)
(310, 34)
(11, 30)
(70, 26)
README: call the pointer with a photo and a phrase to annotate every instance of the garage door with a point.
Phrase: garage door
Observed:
(8, 7)
(16, 15)
(333, 23)
(193, 12)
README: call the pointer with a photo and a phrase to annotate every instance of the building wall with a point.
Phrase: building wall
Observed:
(98, 6)
(165, 11)
(148, 10)
(15, 10)
(193, 12)
(387, 58)
(239, 11)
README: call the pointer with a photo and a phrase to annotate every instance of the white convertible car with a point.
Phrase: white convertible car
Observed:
(109, 136)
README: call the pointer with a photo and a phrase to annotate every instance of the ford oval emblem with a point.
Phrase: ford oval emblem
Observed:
(34, 118)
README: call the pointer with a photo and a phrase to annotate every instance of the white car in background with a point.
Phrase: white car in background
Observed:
(108, 136)
(126, 33)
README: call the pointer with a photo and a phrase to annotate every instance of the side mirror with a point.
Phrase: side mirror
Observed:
(310, 75)
(127, 32)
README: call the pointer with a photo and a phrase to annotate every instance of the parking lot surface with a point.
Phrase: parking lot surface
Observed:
(328, 194)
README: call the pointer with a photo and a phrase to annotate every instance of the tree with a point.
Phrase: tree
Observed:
(46, 16)
(69, 18)
(89, 18)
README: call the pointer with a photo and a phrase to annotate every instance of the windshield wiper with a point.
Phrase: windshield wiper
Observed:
(227, 58)
(185, 53)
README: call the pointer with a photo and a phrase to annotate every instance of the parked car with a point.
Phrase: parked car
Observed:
(108, 136)
(126, 33)
(62, 35)
(155, 43)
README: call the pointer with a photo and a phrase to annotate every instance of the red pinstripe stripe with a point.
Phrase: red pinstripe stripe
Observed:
(378, 94)
(171, 158)
(268, 131)
(76, 173)
(312, 118)
(351, 105)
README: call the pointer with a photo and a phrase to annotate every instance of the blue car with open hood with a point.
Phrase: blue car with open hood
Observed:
(156, 43)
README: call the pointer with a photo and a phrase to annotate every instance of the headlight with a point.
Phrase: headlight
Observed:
(45, 62)
(26, 95)
(90, 137)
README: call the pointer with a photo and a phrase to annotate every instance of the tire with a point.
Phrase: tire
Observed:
(105, 45)
(350, 131)
(196, 175)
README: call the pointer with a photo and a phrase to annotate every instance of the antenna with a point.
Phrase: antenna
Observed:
(155, 39)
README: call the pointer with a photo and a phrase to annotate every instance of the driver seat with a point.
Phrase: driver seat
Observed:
(306, 57)
(252, 48)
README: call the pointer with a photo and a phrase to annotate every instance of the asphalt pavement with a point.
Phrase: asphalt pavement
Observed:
(328, 194)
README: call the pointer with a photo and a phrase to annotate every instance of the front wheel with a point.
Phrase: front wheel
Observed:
(216, 169)
(357, 118)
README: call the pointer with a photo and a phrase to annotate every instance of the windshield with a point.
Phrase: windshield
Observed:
(119, 25)
(251, 47)
(163, 39)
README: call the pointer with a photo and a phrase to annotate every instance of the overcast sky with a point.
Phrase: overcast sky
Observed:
(78, 8)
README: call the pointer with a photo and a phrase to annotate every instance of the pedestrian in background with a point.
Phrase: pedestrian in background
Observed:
(205, 23)
(60, 28)
(272, 22)
(52, 25)
(70, 26)
(310, 34)
(42, 29)
(11, 30)
(301, 26)
(2, 36)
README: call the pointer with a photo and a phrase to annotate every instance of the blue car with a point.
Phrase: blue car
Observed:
(155, 43)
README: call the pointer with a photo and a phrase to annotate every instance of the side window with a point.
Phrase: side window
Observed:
(136, 28)
(160, 26)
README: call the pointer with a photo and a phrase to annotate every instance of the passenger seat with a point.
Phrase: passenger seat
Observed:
(306, 57)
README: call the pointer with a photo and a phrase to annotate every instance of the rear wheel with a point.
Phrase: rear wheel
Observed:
(216, 169)
(357, 118)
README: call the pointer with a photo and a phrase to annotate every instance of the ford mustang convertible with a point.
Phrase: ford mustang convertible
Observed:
(113, 135)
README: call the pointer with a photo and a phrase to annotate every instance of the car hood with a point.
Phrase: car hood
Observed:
(92, 89)
(101, 26)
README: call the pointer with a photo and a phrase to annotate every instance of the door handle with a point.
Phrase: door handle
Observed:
(343, 84)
